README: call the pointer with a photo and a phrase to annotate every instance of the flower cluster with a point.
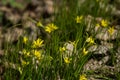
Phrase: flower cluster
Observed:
(31, 56)
(69, 53)
(105, 24)
(34, 53)
(66, 51)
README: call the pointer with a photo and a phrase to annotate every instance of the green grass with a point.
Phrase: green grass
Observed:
(52, 65)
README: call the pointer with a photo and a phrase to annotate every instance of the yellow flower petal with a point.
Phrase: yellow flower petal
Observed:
(37, 43)
(24, 63)
(50, 27)
(79, 19)
(67, 60)
(104, 23)
(25, 39)
(20, 70)
(62, 49)
(85, 52)
(26, 53)
(39, 24)
(97, 25)
(90, 40)
(111, 30)
(37, 54)
(83, 77)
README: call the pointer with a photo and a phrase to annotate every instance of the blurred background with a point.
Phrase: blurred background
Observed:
(17, 16)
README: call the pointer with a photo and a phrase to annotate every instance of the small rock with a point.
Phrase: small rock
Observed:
(13, 17)
(49, 6)
(1, 52)
(104, 35)
(13, 34)
(92, 65)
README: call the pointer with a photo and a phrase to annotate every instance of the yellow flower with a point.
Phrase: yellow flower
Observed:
(79, 19)
(104, 23)
(20, 70)
(97, 25)
(37, 54)
(83, 77)
(25, 52)
(62, 49)
(50, 27)
(67, 60)
(90, 40)
(39, 24)
(111, 30)
(85, 51)
(37, 43)
(24, 63)
(25, 39)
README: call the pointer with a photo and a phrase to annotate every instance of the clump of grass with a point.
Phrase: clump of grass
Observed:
(64, 56)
